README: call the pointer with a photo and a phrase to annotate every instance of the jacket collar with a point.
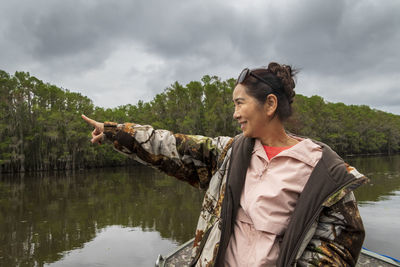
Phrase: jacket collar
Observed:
(302, 151)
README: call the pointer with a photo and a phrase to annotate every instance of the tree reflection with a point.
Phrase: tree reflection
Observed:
(384, 175)
(42, 217)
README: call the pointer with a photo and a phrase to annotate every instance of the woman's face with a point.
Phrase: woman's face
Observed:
(250, 114)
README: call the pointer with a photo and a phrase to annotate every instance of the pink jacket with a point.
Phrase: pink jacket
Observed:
(270, 193)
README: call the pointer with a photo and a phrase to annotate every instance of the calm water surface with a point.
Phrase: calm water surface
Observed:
(127, 216)
(379, 202)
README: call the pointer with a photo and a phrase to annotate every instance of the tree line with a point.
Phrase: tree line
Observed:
(41, 128)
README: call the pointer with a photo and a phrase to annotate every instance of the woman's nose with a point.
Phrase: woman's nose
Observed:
(236, 115)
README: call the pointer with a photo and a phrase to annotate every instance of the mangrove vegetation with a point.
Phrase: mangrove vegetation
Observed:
(41, 128)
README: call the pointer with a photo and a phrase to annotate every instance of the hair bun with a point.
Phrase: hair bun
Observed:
(286, 75)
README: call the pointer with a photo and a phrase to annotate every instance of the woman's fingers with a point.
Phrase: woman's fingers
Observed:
(97, 133)
(89, 120)
(98, 125)
(97, 138)
(97, 130)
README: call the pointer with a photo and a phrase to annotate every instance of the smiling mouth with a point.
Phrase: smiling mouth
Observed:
(242, 124)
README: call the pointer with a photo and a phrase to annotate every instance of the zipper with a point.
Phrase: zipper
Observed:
(296, 248)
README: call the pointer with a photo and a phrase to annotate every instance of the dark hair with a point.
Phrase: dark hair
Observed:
(281, 79)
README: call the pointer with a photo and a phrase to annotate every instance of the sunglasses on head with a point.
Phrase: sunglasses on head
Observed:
(246, 73)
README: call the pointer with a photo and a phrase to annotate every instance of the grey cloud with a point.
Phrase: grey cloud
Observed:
(346, 41)
(341, 37)
(63, 31)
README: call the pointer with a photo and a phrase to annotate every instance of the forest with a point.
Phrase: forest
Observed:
(41, 128)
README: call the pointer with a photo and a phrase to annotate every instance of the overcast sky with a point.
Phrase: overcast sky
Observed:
(119, 52)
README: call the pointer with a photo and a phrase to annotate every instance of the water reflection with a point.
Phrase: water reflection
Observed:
(379, 202)
(382, 225)
(62, 219)
(384, 175)
(41, 217)
(118, 246)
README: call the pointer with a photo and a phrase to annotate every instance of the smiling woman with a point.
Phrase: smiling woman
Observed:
(272, 198)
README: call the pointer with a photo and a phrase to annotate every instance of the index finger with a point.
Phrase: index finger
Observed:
(89, 120)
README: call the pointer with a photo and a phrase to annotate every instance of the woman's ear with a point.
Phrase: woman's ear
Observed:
(271, 104)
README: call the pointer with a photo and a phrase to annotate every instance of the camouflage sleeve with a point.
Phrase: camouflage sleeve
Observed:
(190, 158)
(338, 236)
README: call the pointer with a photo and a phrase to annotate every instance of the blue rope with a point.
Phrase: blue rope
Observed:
(396, 260)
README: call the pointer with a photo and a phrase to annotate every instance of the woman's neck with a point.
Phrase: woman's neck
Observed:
(276, 136)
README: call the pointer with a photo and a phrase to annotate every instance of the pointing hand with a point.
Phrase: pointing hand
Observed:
(97, 134)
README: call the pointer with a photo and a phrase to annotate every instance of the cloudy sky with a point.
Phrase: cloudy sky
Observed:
(119, 52)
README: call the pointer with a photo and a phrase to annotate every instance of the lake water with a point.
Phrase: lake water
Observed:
(127, 216)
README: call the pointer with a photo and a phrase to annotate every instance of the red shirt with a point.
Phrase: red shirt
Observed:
(272, 151)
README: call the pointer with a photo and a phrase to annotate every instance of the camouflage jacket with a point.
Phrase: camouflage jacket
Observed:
(325, 228)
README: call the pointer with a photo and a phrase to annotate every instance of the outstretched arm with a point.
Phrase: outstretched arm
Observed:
(191, 158)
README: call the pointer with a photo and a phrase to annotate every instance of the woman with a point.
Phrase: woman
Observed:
(272, 199)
